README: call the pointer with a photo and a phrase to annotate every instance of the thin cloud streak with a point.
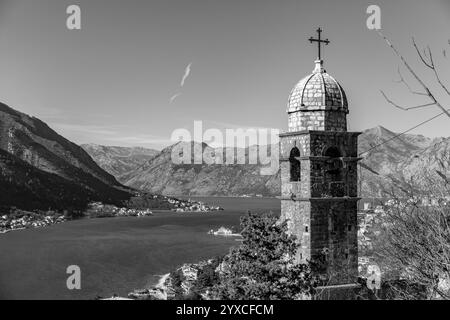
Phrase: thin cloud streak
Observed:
(174, 97)
(187, 72)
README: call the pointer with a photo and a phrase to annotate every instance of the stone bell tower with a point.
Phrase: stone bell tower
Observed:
(319, 195)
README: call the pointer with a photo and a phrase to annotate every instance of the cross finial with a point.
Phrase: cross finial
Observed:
(319, 42)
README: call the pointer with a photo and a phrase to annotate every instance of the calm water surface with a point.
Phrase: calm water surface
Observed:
(115, 255)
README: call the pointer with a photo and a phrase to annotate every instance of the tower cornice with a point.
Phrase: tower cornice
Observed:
(306, 132)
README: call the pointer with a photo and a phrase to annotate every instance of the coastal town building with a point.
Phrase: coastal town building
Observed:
(319, 189)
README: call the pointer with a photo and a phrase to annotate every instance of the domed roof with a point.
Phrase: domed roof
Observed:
(318, 91)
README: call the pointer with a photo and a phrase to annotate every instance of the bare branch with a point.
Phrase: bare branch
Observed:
(406, 108)
(436, 74)
(427, 90)
(420, 55)
(402, 80)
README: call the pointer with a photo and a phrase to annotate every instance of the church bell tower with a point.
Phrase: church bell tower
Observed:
(319, 189)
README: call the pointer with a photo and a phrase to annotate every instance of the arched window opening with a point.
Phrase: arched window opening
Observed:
(334, 164)
(295, 165)
(332, 152)
(334, 172)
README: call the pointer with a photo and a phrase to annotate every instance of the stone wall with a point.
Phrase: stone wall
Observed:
(334, 232)
(323, 218)
(346, 142)
(315, 180)
(323, 184)
(317, 120)
(297, 215)
(335, 121)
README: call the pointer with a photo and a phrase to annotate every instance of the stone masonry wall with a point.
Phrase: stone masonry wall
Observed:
(322, 222)
(297, 214)
(334, 236)
(317, 120)
(346, 142)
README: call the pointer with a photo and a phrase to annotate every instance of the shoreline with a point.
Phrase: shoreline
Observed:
(12, 230)
(233, 197)
(162, 280)
(3, 232)
(22, 220)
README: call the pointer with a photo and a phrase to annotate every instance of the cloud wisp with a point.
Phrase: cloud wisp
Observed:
(174, 97)
(187, 73)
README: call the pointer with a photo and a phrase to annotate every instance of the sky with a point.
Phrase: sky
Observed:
(138, 70)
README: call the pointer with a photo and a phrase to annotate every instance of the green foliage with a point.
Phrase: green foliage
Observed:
(207, 276)
(177, 281)
(263, 267)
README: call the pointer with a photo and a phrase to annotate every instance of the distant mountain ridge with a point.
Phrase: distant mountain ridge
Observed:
(388, 155)
(397, 159)
(161, 175)
(383, 149)
(119, 160)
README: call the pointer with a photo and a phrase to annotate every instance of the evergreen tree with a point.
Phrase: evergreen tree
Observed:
(263, 267)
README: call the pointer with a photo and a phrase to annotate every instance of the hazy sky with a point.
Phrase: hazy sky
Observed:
(117, 81)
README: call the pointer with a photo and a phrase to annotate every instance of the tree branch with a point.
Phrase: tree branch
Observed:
(436, 74)
(424, 86)
(402, 80)
(406, 108)
(420, 55)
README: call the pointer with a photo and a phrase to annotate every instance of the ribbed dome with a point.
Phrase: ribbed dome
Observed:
(318, 91)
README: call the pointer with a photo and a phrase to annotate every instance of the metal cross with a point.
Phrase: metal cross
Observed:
(319, 42)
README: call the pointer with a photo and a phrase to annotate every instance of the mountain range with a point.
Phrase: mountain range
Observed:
(41, 169)
(119, 160)
(161, 175)
(400, 160)
(387, 157)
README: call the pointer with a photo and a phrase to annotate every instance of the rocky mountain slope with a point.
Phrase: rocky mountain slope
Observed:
(29, 188)
(30, 140)
(388, 157)
(399, 159)
(119, 160)
(428, 170)
(431, 160)
(383, 151)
